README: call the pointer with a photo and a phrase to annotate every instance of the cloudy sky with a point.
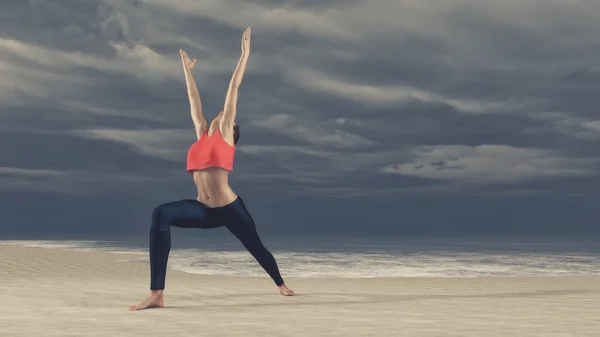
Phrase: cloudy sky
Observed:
(380, 116)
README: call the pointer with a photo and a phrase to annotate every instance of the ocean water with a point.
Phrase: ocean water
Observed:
(352, 257)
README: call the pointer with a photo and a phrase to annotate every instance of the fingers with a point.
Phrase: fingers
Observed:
(187, 62)
(183, 54)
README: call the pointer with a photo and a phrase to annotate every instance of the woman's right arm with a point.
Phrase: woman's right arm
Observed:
(200, 123)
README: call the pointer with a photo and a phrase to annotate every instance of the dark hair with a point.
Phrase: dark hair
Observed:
(236, 133)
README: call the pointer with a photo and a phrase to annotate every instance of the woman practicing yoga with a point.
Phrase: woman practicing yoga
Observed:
(209, 161)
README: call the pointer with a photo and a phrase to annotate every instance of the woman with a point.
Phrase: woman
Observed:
(209, 160)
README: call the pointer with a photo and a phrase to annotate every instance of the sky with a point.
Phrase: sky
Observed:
(356, 117)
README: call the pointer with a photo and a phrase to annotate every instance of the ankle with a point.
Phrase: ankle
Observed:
(156, 292)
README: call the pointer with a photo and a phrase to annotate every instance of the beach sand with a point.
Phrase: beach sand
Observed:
(53, 292)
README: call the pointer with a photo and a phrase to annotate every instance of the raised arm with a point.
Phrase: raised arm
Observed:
(193, 94)
(229, 110)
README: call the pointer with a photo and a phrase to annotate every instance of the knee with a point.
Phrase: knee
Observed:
(256, 247)
(160, 219)
(158, 211)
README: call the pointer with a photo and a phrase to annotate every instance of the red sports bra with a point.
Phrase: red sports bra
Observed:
(210, 151)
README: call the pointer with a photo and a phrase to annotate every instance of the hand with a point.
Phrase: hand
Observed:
(185, 59)
(246, 40)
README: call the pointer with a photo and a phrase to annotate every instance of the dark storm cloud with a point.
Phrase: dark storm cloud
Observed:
(342, 100)
(306, 4)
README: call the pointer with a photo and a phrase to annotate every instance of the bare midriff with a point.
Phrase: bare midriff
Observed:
(213, 187)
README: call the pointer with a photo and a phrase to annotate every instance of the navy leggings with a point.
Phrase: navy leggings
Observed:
(191, 213)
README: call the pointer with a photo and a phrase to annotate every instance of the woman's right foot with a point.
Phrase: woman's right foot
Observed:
(155, 300)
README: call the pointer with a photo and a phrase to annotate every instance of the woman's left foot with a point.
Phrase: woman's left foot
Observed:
(285, 291)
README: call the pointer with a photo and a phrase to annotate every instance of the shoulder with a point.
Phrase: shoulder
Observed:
(227, 132)
(226, 126)
(201, 130)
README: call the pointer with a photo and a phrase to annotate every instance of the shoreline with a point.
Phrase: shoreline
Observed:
(236, 262)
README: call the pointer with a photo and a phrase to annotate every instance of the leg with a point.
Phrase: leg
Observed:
(240, 223)
(184, 213)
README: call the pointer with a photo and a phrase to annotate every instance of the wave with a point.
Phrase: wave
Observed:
(307, 264)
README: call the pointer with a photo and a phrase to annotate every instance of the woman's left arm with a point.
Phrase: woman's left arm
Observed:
(229, 110)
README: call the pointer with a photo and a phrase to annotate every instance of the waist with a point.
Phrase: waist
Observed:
(213, 186)
(223, 206)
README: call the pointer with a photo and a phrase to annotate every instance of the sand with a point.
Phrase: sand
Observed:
(53, 292)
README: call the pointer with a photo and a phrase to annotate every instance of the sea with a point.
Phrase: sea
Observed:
(334, 256)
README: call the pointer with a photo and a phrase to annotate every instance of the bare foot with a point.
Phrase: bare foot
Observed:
(155, 300)
(285, 291)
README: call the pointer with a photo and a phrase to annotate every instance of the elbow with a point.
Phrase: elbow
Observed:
(235, 82)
